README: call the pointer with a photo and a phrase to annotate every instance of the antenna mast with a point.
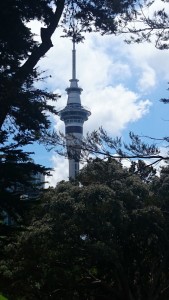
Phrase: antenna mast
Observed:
(74, 60)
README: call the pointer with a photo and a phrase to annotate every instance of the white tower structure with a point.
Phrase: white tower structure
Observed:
(74, 115)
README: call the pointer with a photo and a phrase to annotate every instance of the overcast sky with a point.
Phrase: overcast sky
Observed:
(122, 85)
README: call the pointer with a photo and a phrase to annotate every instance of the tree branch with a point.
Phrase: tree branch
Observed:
(46, 44)
(7, 98)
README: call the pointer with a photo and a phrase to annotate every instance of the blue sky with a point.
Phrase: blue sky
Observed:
(122, 85)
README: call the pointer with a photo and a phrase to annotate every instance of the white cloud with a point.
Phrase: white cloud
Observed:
(147, 79)
(114, 108)
(147, 61)
(60, 172)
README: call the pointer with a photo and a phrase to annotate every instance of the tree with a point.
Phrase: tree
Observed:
(147, 22)
(26, 120)
(105, 239)
(18, 175)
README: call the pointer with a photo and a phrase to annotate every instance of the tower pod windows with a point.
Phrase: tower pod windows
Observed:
(74, 129)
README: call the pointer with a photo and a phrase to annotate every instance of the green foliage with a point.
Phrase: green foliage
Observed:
(104, 239)
(24, 109)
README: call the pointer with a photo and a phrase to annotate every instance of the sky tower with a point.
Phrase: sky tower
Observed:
(74, 115)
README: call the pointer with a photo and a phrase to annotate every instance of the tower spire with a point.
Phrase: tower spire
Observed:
(74, 61)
